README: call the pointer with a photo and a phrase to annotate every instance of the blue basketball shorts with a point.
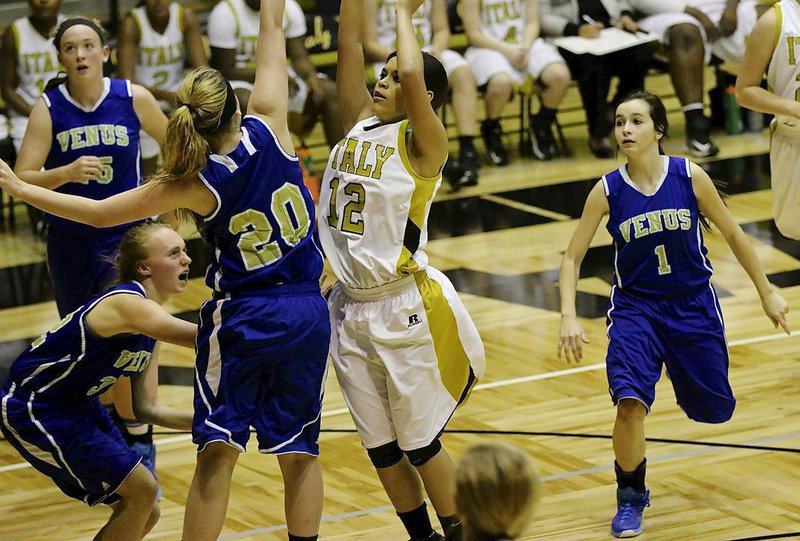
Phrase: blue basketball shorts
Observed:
(261, 362)
(77, 446)
(80, 266)
(684, 333)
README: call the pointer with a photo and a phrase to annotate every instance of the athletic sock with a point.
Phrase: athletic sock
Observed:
(417, 522)
(465, 142)
(633, 479)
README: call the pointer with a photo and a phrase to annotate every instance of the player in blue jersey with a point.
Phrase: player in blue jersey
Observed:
(51, 411)
(663, 308)
(264, 336)
(83, 139)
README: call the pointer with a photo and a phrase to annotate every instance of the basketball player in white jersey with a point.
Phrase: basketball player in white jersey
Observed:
(405, 350)
(232, 32)
(28, 59)
(774, 47)
(157, 39)
(506, 51)
(433, 33)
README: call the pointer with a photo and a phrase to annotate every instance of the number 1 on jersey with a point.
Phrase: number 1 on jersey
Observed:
(663, 265)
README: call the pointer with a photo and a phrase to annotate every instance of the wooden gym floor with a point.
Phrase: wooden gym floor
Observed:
(501, 244)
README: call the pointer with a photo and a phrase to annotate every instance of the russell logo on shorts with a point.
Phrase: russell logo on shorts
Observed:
(413, 320)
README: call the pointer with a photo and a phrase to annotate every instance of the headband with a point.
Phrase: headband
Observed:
(228, 110)
(75, 21)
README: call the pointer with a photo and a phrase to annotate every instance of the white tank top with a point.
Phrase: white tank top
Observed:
(245, 23)
(387, 24)
(373, 209)
(37, 59)
(503, 19)
(784, 67)
(160, 57)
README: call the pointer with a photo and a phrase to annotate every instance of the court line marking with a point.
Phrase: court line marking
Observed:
(531, 209)
(554, 477)
(492, 385)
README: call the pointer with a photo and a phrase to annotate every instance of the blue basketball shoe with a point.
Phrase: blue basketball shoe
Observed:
(630, 506)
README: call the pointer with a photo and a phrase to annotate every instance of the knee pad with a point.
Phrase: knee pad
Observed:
(419, 457)
(385, 455)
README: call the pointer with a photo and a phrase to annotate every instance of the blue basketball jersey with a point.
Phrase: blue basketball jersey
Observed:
(109, 130)
(658, 243)
(70, 364)
(263, 228)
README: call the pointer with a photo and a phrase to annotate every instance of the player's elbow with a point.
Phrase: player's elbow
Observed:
(145, 413)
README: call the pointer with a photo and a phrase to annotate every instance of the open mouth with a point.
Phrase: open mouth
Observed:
(627, 141)
(183, 277)
(378, 96)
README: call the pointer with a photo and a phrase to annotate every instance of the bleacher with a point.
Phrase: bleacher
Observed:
(321, 43)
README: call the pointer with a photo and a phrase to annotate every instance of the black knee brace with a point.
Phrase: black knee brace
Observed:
(418, 457)
(386, 455)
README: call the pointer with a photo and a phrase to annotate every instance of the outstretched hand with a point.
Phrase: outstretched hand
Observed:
(776, 309)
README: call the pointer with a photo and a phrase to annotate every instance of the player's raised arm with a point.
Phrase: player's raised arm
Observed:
(428, 143)
(270, 96)
(354, 98)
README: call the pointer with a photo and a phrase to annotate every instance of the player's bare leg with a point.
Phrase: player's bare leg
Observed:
(137, 512)
(209, 492)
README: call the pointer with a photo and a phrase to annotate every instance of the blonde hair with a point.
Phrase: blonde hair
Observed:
(194, 127)
(133, 250)
(497, 489)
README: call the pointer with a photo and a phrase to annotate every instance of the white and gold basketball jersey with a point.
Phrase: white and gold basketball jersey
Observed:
(387, 24)
(161, 57)
(246, 23)
(784, 67)
(373, 209)
(37, 59)
(503, 19)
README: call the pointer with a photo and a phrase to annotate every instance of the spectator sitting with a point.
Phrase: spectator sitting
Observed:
(157, 40)
(232, 33)
(28, 59)
(586, 18)
(506, 50)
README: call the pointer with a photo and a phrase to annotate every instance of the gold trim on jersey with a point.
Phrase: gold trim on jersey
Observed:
(138, 22)
(15, 33)
(181, 20)
(778, 25)
(238, 30)
(453, 361)
(424, 190)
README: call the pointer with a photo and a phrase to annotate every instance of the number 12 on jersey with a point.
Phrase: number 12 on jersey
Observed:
(353, 221)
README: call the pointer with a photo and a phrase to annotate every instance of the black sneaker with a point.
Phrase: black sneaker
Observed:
(435, 536)
(468, 162)
(492, 134)
(697, 138)
(543, 144)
